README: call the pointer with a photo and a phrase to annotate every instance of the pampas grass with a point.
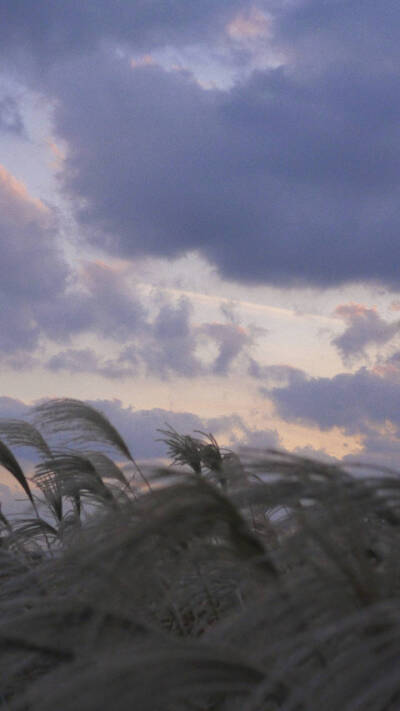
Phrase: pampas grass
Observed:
(255, 582)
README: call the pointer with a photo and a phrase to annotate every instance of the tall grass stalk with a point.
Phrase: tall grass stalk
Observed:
(255, 582)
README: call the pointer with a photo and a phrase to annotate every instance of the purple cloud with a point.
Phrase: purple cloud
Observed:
(85, 360)
(100, 302)
(365, 327)
(348, 400)
(169, 344)
(50, 33)
(231, 339)
(163, 345)
(275, 375)
(11, 120)
(288, 177)
(13, 409)
(234, 168)
(33, 270)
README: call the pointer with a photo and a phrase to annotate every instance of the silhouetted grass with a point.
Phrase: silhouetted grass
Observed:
(265, 581)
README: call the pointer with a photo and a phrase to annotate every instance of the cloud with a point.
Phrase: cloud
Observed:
(288, 177)
(365, 404)
(389, 367)
(12, 501)
(275, 375)
(380, 447)
(342, 33)
(231, 339)
(47, 303)
(81, 360)
(13, 409)
(352, 401)
(278, 180)
(19, 360)
(113, 308)
(50, 33)
(85, 360)
(249, 25)
(258, 439)
(11, 120)
(140, 428)
(163, 344)
(174, 345)
(98, 299)
(169, 344)
(33, 269)
(43, 298)
(365, 327)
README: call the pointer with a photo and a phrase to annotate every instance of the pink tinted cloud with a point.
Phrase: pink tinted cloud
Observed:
(248, 25)
(364, 328)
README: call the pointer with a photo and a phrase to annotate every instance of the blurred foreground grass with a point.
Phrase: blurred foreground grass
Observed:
(260, 582)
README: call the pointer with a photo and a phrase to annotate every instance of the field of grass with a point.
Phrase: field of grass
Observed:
(256, 582)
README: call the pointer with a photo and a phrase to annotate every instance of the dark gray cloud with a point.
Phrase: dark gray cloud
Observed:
(86, 360)
(40, 296)
(11, 120)
(341, 32)
(19, 360)
(96, 300)
(101, 301)
(75, 360)
(278, 180)
(365, 327)
(38, 293)
(167, 345)
(257, 439)
(365, 403)
(389, 367)
(33, 272)
(49, 32)
(377, 446)
(289, 177)
(349, 400)
(231, 340)
(162, 345)
(275, 375)
(170, 345)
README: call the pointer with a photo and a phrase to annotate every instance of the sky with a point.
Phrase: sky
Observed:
(199, 218)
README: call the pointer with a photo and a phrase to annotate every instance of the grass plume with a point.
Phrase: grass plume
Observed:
(256, 582)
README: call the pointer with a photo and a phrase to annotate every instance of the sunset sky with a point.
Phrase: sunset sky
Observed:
(200, 213)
